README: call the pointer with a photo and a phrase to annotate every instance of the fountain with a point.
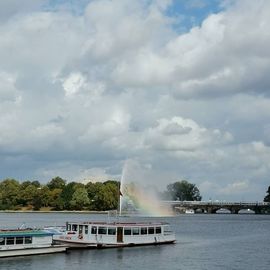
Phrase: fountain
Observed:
(137, 197)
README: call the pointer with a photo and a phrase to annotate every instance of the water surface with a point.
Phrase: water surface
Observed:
(203, 242)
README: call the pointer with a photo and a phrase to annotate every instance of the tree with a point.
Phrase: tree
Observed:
(183, 191)
(9, 189)
(68, 192)
(112, 193)
(27, 194)
(103, 196)
(37, 202)
(267, 197)
(44, 193)
(55, 199)
(80, 198)
(36, 183)
(25, 184)
(56, 182)
(93, 190)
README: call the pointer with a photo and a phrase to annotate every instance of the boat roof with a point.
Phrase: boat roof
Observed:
(124, 224)
(18, 232)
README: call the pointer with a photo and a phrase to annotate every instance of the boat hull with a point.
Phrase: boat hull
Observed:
(77, 245)
(32, 251)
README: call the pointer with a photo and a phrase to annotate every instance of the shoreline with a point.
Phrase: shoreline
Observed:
(54, 211)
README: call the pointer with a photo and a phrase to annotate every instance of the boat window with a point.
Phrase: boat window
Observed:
(158, 230)
(151, 230)
(10, 240)
(135, 231)
(19, 240)
(28, 240)
(167, 229)
(127, 231)
(68, 227)
(94, 230)
(2, 241)
(112, 231)
(143, 230)
(102, 230)
(74, 227)
(80, 228)
(86, 229)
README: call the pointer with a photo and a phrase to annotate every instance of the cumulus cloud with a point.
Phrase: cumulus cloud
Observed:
(8, 91)
(180, 134)
(81, 92)
(11, 8)
(236, 187)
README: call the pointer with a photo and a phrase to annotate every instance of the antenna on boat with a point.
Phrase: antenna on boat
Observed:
(119, 200)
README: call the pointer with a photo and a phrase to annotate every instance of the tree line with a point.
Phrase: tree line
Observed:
(57, 194)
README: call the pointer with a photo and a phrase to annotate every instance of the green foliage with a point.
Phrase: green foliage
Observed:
(9, 189)
(55, 199)
(59, 195)
(27, 194)
(267, 197)
(183, 191)
(80, 198)
(36, 183)
(37, 202)
(56, 182)
(103, 196)
(67, 194)
(44, 194)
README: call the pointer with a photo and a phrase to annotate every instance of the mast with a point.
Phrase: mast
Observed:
(119, 200)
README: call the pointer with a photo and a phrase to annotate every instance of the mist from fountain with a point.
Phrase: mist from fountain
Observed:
(138, 196)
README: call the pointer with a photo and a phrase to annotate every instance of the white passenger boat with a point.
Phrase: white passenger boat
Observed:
(22, 242)
(114, 234)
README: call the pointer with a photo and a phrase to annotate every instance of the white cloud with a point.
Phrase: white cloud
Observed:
(236, 187)
(93, 175)
(178, 134)
(47, 131)
(8, 91)
(86, 91)
(11, 8)
(73, 83)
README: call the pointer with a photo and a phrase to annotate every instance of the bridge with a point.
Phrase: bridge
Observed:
(212, 207)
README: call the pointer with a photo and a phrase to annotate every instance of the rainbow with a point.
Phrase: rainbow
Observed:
(146, 203)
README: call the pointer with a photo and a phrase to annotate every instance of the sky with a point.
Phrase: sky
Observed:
(163, 90)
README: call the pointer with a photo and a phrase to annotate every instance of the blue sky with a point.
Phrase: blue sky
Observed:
(192, 13)
(162, 90)
(187, 13)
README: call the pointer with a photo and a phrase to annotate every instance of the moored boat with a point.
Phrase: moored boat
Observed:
(114, 234)
(22, 242)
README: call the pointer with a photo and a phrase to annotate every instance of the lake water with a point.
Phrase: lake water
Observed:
(203, 242)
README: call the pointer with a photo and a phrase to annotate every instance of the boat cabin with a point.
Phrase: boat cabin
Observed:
(116, 234)
(21, 242)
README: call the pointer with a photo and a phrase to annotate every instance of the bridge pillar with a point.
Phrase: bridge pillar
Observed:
(234, 210)
(211, 210)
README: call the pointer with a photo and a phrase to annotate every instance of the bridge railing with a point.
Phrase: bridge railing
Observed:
(244, 203)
